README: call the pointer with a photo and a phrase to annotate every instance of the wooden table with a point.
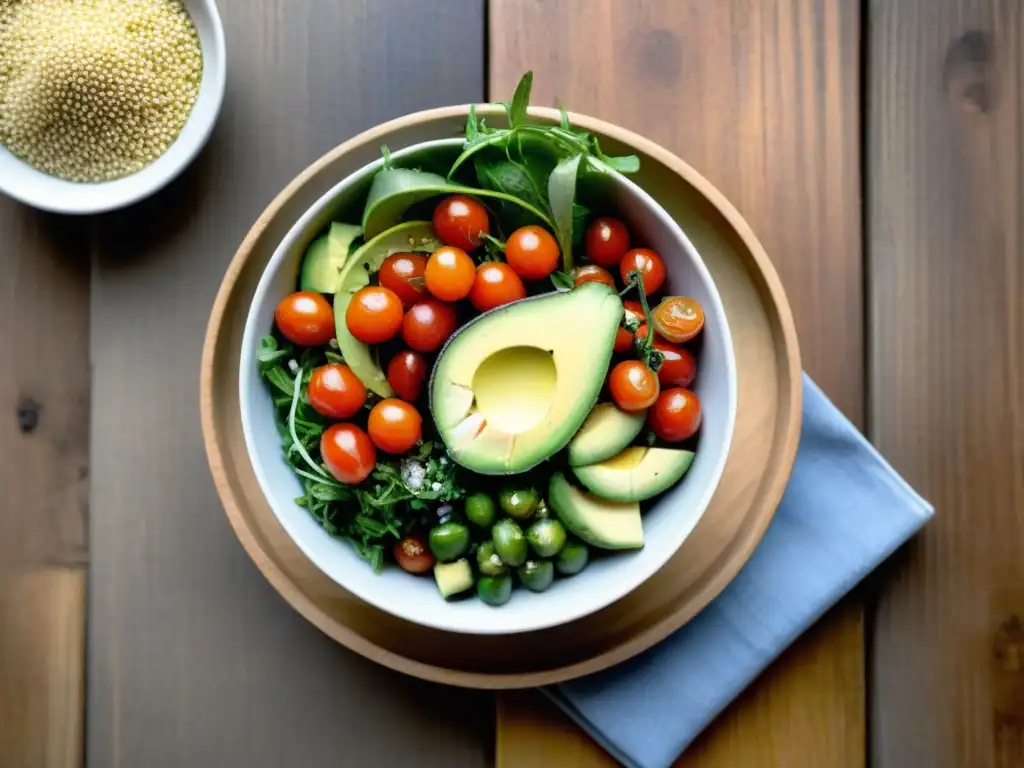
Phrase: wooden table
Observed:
(876, 150)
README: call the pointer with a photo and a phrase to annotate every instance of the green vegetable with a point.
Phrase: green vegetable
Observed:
(495, 590)
(573, 558)
(547, 537)
(480, 510)
(453, 578)
(536, 575)
(487, 560)
(509, 542)
(561, 194)
(449, 540)
(543, 511)
(519, 503)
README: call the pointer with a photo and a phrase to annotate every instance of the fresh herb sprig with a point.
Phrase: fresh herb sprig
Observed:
(645, 349)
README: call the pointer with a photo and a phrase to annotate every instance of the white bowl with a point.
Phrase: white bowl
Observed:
(666, 524)
(40, 190)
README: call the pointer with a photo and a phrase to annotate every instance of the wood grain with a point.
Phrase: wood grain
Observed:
(946, 249)
(762, 98)
(193, 658)
(44, 443)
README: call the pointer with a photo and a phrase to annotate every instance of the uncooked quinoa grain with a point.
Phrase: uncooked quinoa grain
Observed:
(93, 90)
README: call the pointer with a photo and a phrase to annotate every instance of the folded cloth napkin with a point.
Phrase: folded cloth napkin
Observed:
(844, 511)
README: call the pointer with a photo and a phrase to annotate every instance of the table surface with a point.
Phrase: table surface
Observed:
(874, 147)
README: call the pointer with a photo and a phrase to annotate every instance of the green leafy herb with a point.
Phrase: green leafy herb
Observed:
(562, 281)
(561, 194)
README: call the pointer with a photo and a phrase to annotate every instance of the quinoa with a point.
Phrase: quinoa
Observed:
(93, 90)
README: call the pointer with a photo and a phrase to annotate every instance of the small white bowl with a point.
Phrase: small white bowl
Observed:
(606, 579)
(40, 190)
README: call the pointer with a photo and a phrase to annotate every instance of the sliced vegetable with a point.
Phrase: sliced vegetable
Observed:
(412, 555)
(678, 318)
(326, 257)
(453, 578)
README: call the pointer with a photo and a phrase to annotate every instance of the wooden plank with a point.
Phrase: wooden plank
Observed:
(946, 250)
(44, 436)
(193, 659)
(763, 99)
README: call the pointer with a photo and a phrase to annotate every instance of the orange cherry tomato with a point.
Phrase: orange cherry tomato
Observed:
(623, 340)
(428, 324)
(532, 252)
(374, 315)
(413, 555)
(675, 416)
(633, 385)
(305, 318)
(348, 453)
(650, 265)
(403, 274)
(678, 318)
(461, 221)
(591, 273)
(607, 241)
(335, 392)
(450, 273)
(496, 284)
(406, 373)
(394, 425)
(678, 367)
(634, 311)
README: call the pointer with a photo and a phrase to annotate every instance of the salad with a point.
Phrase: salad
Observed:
(478, 377)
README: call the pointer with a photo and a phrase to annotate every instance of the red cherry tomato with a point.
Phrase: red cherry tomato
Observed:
(532, 252)
(413, 555)
(461, 221)
(428, 324)
(305, 318)
(591, 273)
(634, 311)
(607, 241)
(678, 318)
(406, 373)
(335, 392)
(650, 265)
(633, 385)
(623, 340)
(678, 367)
(496, 284)
(348, 453)
(450, 273)
(374, 315)
(403, 274)
(394, 425)
(675, 416)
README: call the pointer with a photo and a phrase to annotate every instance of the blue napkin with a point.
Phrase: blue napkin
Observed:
(844, 511)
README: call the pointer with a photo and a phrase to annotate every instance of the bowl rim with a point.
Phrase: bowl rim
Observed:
(441, 620)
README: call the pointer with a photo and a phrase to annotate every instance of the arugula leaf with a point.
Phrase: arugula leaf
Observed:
(562, 281)
(481, 142)
(472, 126)
(561, 194)
(623, 164)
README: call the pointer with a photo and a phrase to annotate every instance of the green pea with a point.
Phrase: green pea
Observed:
(573, 558)
(536, 575)
(495, 590)
(519, 503)
(487, 560)
(509, 542)
(481, 510)
(547, 537)
(449, 540)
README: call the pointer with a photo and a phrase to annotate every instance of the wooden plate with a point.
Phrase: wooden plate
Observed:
(758, 467)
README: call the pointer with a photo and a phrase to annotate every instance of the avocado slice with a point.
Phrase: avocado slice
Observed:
(403, 238)
(636, 473)
(602, 523)
(512, 387)
(453, 578)
(325, 258)
(607, 430)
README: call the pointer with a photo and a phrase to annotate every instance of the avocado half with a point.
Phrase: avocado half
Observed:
(513, 386)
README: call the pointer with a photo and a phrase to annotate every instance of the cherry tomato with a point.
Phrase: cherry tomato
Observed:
(591, 273)
(634, 311)
(428, 324)
(641, 332)
(679, 366)
(496, 283)
(305, 318)
(394, 425)
(450, 273)
(678, 318)
(633, 386)
(403, 274)
(623, 340)
(335, 392)
(413, 555)
(374, 314)
(348, 453)
(607, 241)
(676, 415)
(406, 373)
(650, 265)
(532, 252)
(461, 221)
